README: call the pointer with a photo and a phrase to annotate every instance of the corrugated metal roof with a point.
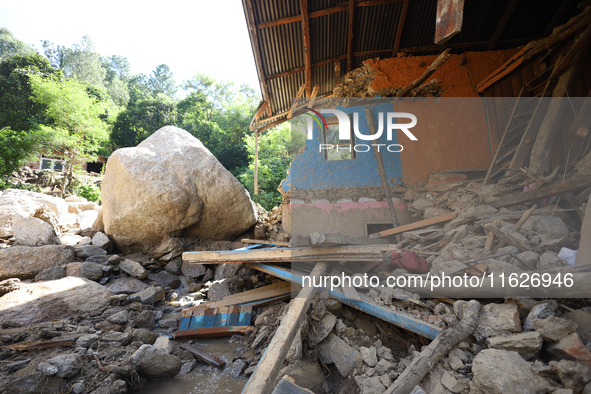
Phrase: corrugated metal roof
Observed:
(279, 46)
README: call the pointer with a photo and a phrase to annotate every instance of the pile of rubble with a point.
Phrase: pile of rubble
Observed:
(270, 224)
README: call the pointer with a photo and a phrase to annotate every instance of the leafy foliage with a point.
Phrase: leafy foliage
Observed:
(17, 148)
(11, 46)
(89, 192)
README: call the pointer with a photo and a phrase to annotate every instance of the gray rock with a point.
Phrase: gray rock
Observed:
(238, 366)
(103, 260)
(165, 279)
(123, 338)
(153, 364)
(549, 260)
(551, 226)
(295, 350)
(573, 375)
(501, 372)
(227, 271)
(36, 383)
(87, 251)
(192, 270)
(57, 298)
(163, 344)
(554, 328)
(383, 366)
(322, 329)
(372, 385)
(168, 249)
(119, 318)
(218, 291)
(170, 323)
(150, 295)
(34, 232)
(133, 268)
(175, 265)
(530, 258)
(52, 273)
(143, 336)
(16, 365)
(146, 319)
(541, 310)
(87, 340)
(334, 350)
(369, 355)
(92, 271)
(306, 374)
(168, 183)
(47, 369)
(26, 262)
(188, 366)
(527, 344)
(9, 285)
(102, 241)
(68, 365)
(79, 388)
(84, 241)
(126, 285)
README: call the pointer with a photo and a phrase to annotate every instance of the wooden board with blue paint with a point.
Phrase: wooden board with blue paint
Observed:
(207, 322)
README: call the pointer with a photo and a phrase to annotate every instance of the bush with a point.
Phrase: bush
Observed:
(89, 192)
(6, 184)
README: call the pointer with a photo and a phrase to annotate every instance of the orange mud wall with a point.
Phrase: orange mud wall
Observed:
(465, 141)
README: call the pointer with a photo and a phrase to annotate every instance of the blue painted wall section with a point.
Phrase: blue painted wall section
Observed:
(310, 170)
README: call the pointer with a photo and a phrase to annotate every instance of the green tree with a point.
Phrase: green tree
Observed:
(81, 61)
(17, 148)
(79, 128)
(162, 81)
(142, 118)
(275, 155)
(116, 79)
(11, 46)
(17, 109)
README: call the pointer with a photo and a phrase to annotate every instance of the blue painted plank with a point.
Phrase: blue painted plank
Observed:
(401, 320)
(184, 325)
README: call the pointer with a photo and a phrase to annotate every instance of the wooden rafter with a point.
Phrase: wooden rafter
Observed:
(296, 101)
(400, 27)
(350, 35)
(252, 30)
(501, 26)
(307, 57)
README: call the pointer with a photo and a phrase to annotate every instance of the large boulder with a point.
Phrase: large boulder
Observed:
(153, 364)
(170, 183)
(26, 262)
(57, 299)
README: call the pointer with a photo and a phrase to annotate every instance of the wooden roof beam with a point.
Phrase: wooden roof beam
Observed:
(350, 35)
(494, 40)
(307, 57)
(400, 27)
(252, 30)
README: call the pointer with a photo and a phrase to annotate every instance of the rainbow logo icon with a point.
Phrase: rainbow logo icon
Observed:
(318, 118)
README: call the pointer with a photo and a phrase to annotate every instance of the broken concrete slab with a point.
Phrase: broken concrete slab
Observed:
(527, 344)
(498, 319)
(41, 301)
(502, 372)
(554, 328)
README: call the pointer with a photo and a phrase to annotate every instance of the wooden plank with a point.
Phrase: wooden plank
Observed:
(365, 304)
(401, 21)
(33, 345)
(201, 355)
(350, 35)
(419, 234)
(382, 170)
(505, 237)
(540, 194)
(306, 37)
(448, 20)
(264, 376)
(284, 254)
(261, 293)
(212, 332)
(524, 218)
(416, 225)
(264, 242)
(295, 104)
(494, 40)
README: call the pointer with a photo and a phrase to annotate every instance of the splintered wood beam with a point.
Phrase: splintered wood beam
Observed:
(494, 40)
(261, 110)
(252, 30)
(400, 27)
(310, 102)
(450, 16)
(307, 57)
(295, 104)
(264, 376)
(540, 194)
(350, 35)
